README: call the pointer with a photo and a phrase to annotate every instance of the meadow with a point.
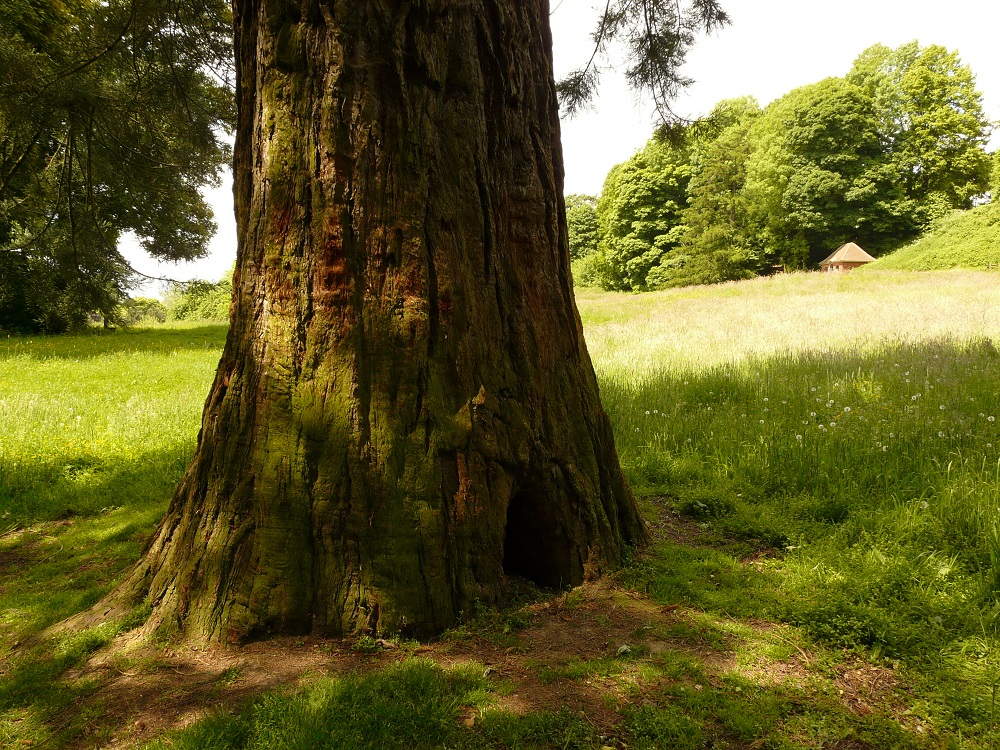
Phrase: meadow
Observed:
(818, 457)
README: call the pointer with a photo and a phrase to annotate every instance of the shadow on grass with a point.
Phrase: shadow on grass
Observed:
(70, 534)
(99, 343)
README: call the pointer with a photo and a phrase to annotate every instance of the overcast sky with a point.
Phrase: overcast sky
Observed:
(771, 47)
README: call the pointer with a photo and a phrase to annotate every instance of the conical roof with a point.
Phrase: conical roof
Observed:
(849, 253)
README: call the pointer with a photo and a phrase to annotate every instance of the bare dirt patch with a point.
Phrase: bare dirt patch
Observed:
(569, 653)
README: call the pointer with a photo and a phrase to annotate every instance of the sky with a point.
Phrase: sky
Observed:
(770, 48)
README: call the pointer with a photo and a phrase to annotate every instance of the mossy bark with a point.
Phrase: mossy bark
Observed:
(405, 412)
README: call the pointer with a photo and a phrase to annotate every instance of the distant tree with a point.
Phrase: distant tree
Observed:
(723, 238)
(200, 300)
(112, 116)
(816, 177)
(138, 310)
(931, 124)
(581, 221)
(639, 215)
(995, 177)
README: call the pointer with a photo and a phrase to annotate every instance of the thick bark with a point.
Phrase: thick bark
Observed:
(405, 412)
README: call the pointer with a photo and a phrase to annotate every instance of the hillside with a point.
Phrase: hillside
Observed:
(964, 239)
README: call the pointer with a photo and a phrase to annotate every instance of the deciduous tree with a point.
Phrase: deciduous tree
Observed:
(112, 116)
(931, 124)
(581, 222)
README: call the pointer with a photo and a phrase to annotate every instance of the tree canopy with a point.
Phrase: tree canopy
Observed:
(112, 116)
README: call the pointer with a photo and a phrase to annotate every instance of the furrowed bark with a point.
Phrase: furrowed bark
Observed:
(405, 412)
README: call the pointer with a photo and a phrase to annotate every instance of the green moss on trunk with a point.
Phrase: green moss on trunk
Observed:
(405, 412)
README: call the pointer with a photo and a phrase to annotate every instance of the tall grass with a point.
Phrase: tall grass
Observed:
(847, 427)
(850, 423)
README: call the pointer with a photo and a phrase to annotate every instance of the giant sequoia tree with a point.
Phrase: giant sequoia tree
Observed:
(405, 412)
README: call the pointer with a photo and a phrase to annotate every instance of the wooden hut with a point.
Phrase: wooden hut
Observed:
(846, 258)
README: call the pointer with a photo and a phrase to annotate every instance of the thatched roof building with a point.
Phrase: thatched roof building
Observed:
(846, 258)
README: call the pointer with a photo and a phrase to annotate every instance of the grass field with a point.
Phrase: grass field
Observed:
(819, 460)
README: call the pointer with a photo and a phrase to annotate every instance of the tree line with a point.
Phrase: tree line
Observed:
(873, 157)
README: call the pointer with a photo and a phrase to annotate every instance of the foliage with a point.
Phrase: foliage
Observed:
(142, 310)
(962, 239)
(931, 124)
(723, 238)
(871, 158)
(639, 216)
(34, 295)
(581, 220)
(112, 115)
(657, 35)
(815, 177)
(200, 300)
(995, 177)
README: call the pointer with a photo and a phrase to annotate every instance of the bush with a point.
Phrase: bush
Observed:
(142, 310)
(200, 300)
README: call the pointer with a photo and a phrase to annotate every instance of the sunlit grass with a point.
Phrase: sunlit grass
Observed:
(98, 421)
(850, 423)
(845, 427)
(95, 433)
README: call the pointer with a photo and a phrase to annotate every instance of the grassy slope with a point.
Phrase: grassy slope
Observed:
(964, 239)
(778, 415)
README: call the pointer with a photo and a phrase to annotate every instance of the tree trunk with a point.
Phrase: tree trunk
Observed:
(405, 412)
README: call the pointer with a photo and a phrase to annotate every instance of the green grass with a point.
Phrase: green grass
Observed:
(963, 239)
(833, 442)
(412, 705)
(95, 433)
(871, 463)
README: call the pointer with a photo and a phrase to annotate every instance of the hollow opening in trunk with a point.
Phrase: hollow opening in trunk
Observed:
(535, 546)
